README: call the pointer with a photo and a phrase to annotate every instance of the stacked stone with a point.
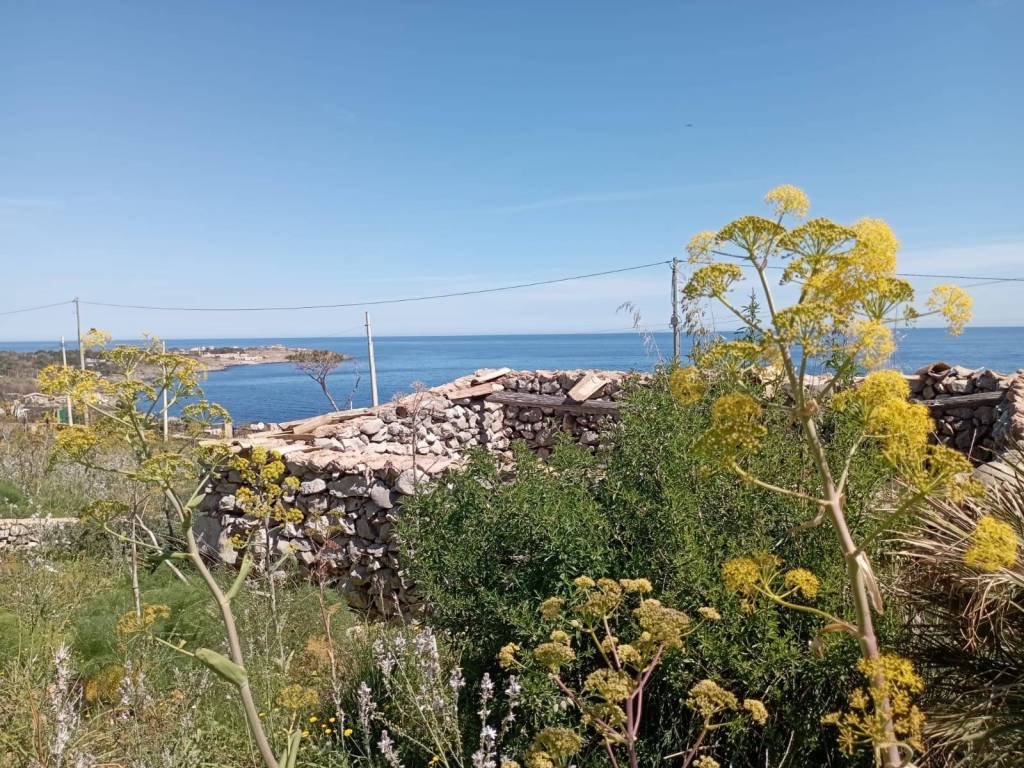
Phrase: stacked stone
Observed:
(972, 426)
(354, 474)
(32, 532)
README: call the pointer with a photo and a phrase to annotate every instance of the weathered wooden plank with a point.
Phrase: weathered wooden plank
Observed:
(588, 386)
(964, 401)
(556, 403)
(334, 417)
(480, 390)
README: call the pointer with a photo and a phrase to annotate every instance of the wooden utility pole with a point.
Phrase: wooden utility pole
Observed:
(675, 310)
(81, 352)
(166, 430)
(373, 364)
(64, 358)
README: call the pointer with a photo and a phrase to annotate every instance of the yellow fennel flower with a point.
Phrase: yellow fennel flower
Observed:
(993, 545)
(953, 303)
(788, 199)
(802, 581)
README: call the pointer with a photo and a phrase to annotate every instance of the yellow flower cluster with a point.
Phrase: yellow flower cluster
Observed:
(552, 747)
(131, 623)
(712, 280)
(788, 200)
(993, 545)
(802, 581)
(298, 697)
(611, 685)
(551, 608)
(660, 624)
(735, 429)
(953, 303)
(706, 761)
(686, 385)
(701, 246)
(892, 683)
(741, 575)
(708, 699)
(553, 655)
(507, 655)
(757, 711)
(104, 686)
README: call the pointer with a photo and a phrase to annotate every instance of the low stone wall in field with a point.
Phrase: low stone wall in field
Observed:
(356, 467)
(32, 532)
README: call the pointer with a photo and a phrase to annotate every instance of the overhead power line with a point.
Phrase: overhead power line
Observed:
(383, 301)
(33, 309)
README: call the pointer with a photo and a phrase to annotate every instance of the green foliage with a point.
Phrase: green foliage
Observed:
(484, 549)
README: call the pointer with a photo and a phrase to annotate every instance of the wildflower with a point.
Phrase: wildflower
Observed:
(788, 199)
(313, 718)
(701, 246)
(639, 586)
(709, 698)
(507, 655)
(630, 655)
(757, 710)
(132, 623)
(505, 763)
(602, 601)
(993, 545)
(347, 732)
(953, 303)
(802, 581)
(584, 582)
(712, 280)
(559, 743)
(298, 697)
(559, 636)
(328, 731)
(735, 428)
(686, 385)
(305, 733)
(706, 761)
(662, 624)
(610, 685)
(552, 607)
(553, 655)
(709, 613)
(388, 751)
(874, 342)
(332, 719)
(741, 575)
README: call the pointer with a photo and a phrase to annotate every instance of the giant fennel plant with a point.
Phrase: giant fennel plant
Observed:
(126, 418)
(846, 297)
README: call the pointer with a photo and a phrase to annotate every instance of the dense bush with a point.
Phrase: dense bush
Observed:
(484, 549)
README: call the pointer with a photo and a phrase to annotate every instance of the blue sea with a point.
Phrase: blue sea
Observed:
(277, 392)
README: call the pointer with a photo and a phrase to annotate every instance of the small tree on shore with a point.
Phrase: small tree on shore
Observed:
(848, 295)
(318, 364)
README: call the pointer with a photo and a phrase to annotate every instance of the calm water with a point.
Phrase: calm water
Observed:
(277, 392)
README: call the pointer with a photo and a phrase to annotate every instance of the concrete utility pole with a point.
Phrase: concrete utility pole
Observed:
(674, 322)
(373, 364)
(64, 358)
(81, 352)
(166, 429)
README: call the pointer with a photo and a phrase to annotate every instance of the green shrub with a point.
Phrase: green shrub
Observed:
(484, 549)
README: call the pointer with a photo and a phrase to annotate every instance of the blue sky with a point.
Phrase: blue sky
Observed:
(294, 153)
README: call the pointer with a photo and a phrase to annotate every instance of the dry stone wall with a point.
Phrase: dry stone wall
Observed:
(355, 468)
(32, 532)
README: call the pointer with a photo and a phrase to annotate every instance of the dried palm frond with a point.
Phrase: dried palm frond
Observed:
(967, 628)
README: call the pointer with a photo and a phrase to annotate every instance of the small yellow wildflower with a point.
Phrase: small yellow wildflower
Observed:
(507, 655)
(552, 607)
(131, 623)
(347, 732)
(332, 719)
(584, 582)
(553, 655)
(313, 718)
(610, 685)
(709, 613)
(639, 586)
(788, 199)
(802, 581)
(298, 697)
(993, 545)
(741, 575)
(661, 624)
(305, 734)
(700, 247)
(709, 698)
(706, 761)
(953, 303)
(559, 636)
(757, 710)
(559, 743)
